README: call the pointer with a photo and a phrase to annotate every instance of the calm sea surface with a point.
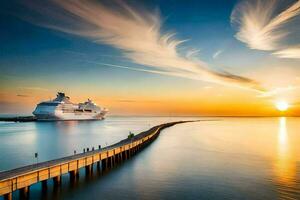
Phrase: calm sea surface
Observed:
(229, 158)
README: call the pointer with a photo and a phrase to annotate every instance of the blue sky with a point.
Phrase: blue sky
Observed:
(34, 50)
(205, 25)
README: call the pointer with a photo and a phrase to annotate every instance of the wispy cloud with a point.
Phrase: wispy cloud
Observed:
(290, 52)
(22, 95)
(262, 27)
(33, 88)
(135, 101)
(137, 32)
(224, 75)
(217, 53)
(278, 91)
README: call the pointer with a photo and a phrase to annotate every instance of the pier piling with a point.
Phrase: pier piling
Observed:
(98, 166)
(24, 193)
(103, 164)
(88, 169)
(57, 180)
(74, 175)
(8, 196)
(44, 185)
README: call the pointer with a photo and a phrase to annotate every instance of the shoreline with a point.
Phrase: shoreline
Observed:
(18, 119)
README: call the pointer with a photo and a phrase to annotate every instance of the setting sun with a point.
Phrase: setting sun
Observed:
(282, 105)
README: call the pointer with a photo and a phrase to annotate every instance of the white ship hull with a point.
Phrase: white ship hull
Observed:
(62, 109)
(69, 116)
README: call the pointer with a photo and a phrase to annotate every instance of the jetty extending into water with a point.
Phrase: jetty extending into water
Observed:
(105, 158)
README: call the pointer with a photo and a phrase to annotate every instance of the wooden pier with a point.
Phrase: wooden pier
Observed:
(22, 178)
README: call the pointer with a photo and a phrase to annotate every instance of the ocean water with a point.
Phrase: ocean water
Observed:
(226, 158)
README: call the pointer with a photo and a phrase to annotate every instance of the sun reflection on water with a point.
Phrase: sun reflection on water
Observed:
(285, 165)
(282, 138)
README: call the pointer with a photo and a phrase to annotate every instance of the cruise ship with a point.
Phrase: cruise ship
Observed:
(61, 108)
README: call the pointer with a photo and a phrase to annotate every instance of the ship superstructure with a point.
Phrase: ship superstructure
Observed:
(61, 108)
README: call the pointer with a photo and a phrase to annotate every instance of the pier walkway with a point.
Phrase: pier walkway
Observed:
(105, 158)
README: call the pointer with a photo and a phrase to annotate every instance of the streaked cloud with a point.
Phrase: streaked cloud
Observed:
(137, 32)
(291, 52)
(33, 88)
(217, 53)
(22, 95)
(264, 25)
(278, 91)
(135, 101)
(207, 87)
(224, 75)
(192, 52)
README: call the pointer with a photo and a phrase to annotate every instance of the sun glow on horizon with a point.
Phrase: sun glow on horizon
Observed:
(282, 105)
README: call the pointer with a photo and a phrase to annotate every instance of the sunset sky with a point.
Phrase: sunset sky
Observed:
(156, 57)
